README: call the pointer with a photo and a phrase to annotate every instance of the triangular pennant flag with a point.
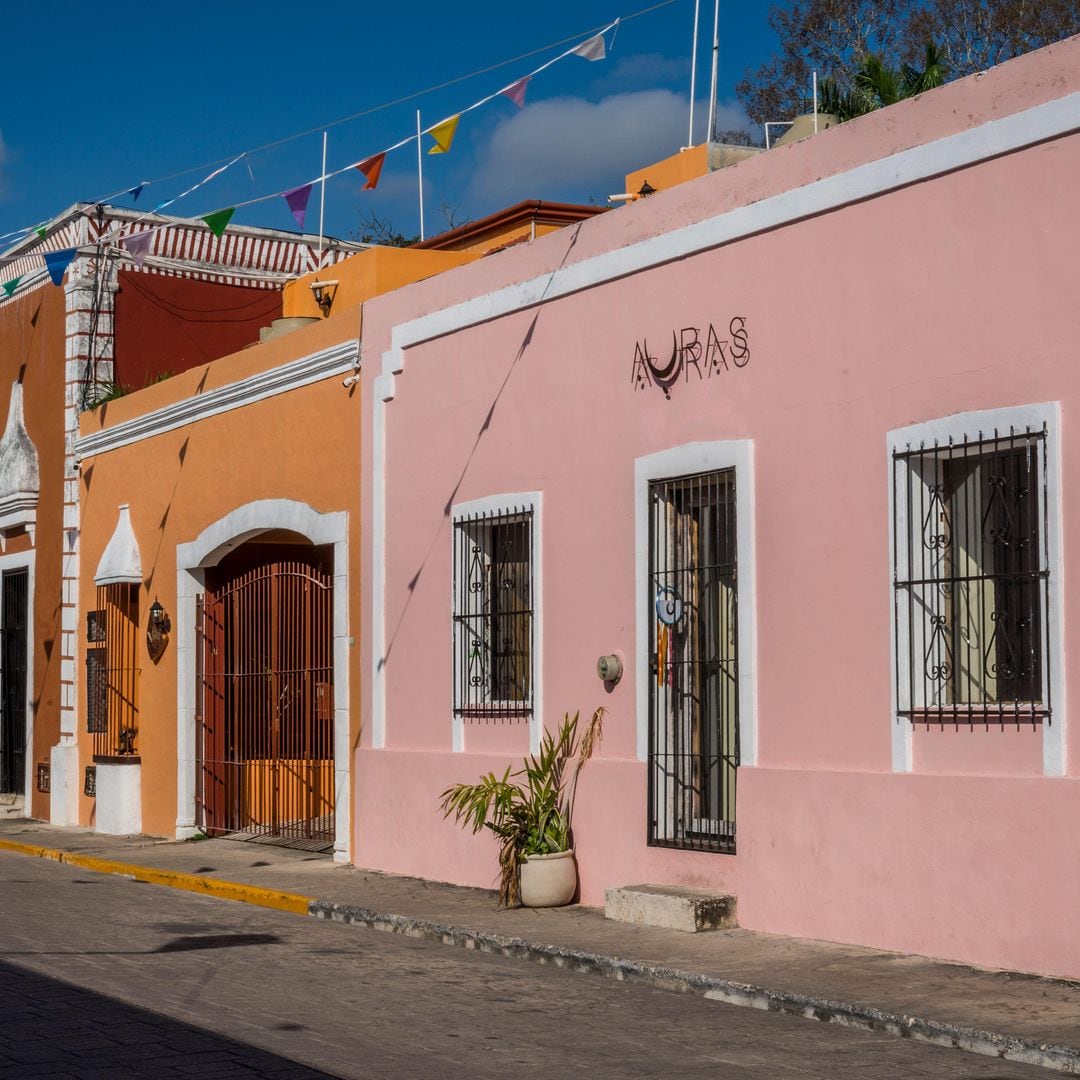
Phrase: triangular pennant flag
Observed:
(372, 169)
(56, 262)
(10, 286)
(593, 49)
(136, 191)
(138, 245)
(297, 200)
(443, 134)
(41, 230)
(516, 93)
(217, 221)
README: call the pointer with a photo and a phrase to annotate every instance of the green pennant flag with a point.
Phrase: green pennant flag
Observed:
(217, 221)
(41, 230)
(9, 287)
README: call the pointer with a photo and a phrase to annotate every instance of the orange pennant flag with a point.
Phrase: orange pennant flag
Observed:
(371, 168)
(443, 134)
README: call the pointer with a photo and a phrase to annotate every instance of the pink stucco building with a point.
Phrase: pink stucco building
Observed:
(794, 441)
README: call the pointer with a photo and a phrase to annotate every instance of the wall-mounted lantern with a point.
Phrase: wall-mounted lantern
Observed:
(157, 631)
(324, 293)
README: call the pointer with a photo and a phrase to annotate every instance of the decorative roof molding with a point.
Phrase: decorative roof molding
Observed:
(120, 561)
(19, 477)
(336, 360)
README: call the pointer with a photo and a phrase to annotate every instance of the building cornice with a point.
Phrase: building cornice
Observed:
(324, 364)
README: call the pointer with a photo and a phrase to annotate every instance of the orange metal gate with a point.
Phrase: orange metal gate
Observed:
(266, 724)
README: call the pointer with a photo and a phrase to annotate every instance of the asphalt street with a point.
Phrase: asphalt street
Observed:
(104, 977)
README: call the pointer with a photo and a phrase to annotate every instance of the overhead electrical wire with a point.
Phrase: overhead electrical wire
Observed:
(220, 165)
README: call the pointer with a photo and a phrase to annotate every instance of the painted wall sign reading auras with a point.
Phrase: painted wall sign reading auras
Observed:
(696, 355)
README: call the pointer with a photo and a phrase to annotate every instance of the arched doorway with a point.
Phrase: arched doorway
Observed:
(265, 732)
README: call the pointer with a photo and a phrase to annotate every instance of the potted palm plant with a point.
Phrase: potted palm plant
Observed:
(531, 812)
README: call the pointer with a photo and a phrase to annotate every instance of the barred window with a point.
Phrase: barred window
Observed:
(112, 672)
(971, 580)
(493, 614)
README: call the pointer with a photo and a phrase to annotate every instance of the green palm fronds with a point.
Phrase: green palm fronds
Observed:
(530, 810)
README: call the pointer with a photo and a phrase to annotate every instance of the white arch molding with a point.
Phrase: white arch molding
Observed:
(207, 549)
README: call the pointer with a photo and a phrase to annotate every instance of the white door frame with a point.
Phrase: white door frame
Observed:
(206, 550)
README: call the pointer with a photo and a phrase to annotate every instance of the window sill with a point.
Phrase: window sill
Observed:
(1021, 712)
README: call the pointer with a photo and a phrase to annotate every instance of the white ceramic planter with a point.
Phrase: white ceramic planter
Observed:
(548, 880)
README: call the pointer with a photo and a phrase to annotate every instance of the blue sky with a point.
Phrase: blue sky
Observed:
(101, 98)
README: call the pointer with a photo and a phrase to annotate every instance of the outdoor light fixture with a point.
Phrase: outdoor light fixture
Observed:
(157, 631)
(324, 293)
(609, 668)
(642, 192)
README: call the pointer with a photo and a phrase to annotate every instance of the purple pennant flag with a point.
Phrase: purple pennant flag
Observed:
(516, 92)
(56, 262)
(298, 200)
(138, 245)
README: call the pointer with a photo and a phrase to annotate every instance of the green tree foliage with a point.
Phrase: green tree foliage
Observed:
(836, 37)
(876, 85)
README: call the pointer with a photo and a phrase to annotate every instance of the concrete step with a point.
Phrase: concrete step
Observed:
(671, 907)
(12, 806)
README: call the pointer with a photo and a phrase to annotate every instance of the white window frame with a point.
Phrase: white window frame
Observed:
(970, 426)
(495, 506)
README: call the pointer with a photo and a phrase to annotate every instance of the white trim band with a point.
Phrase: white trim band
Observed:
(325, 364)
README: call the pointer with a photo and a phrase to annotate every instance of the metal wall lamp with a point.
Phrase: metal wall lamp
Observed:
(157, 631)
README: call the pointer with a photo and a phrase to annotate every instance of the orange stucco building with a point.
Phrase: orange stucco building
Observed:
(111, 325)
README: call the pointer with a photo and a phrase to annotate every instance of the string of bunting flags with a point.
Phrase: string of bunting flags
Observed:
(138, 244)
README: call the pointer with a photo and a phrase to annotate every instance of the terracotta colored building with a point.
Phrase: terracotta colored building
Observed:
(110, 324)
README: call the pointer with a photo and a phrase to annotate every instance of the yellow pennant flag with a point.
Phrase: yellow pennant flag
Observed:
(443, 134)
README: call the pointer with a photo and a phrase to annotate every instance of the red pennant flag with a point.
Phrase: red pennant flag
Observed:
(516, 92)
(372, 168)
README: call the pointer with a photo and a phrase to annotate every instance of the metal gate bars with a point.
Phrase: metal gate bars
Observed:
(693, 713)
(266, 738)
(14, 618)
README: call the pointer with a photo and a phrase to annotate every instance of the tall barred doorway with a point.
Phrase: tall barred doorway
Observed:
(266, 719)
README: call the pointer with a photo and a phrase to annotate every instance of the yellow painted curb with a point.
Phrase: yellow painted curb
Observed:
(172, 879)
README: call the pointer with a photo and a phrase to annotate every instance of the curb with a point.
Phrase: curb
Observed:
(1063, 1059)
(173, 879)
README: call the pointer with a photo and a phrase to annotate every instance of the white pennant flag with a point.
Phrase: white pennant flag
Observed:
(593, 49)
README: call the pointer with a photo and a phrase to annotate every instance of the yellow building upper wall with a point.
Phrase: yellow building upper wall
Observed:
(370, 273)
(677, 169)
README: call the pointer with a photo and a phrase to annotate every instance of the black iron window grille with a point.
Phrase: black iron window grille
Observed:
(694, 700)
(493, 614)
(971, 580)
(112, 673)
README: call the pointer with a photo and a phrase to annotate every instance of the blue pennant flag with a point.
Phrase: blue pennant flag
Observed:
(57, 262)
(136, 191)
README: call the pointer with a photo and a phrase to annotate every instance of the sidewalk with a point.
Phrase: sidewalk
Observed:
(1019, 1017)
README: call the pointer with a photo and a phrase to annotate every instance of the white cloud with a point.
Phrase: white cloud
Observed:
(570, 148)
(642, 69)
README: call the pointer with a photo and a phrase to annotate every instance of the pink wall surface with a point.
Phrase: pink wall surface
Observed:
(951, 295)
